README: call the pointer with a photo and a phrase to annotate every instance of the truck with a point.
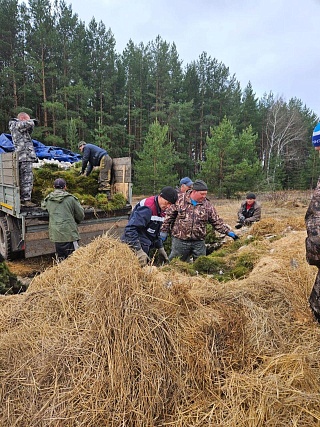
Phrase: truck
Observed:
(24, 231)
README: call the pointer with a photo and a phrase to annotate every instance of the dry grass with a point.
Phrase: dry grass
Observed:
(98, 341)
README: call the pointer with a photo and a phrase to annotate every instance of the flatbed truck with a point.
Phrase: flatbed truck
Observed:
(24, 230)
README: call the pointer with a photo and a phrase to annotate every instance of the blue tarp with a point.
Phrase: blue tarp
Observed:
(42, 151)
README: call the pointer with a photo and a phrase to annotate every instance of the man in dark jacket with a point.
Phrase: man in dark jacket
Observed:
(65, 213)
(187, 219)
(92, 155)
(142, 232)
(21, 129)
(249, 212)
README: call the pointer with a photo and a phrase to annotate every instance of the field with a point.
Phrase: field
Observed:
(284, 206)
(98, 341)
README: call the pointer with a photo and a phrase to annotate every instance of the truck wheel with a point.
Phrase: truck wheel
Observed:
(5, 242)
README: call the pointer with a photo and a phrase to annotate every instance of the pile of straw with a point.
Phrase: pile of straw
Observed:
(98, 341)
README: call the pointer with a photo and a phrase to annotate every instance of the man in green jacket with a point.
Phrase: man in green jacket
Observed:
(65, 212)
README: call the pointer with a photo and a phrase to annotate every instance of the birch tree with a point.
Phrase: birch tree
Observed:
(285, 132)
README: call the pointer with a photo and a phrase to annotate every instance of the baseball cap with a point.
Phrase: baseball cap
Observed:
(59, 183)
(186, 181)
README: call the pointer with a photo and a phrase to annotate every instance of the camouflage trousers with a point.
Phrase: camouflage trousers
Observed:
(314, 299)
(104, 180)
(26, 180)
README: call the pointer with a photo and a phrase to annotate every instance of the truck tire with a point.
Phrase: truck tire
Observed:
(5, 240)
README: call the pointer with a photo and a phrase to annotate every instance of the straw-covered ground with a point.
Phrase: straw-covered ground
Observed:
(98, 341)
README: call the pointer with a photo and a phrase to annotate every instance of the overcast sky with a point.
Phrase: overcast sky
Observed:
(272, 43)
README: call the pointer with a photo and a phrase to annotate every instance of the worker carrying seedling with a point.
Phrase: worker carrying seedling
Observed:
(249, 212)
(92, 156)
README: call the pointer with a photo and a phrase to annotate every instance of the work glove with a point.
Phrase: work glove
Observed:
(242, 218)
(163, 254)
(163, 236)
(142, 257)
(233, 235)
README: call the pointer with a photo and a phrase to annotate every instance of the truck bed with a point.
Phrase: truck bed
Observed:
(96, 222)
(24, 230)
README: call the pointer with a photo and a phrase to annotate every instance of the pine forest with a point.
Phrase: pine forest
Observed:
(172, 119)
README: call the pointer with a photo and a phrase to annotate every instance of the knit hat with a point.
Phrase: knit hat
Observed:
(59, 183)
(170, 194)
(200, 185)
(186, 181)
(81, 143)
(251, 196)
(316, 136)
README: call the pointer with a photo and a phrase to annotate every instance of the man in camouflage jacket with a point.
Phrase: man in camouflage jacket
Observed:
(21, 129)
(312, 220)
(249, 212)
(187, 219)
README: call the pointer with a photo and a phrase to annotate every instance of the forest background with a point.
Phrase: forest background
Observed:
(171, 120)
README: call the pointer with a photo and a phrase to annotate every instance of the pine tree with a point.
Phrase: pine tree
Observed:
(231, 164)
(154, 168)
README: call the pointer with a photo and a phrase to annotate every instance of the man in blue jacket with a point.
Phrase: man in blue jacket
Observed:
(142, 232)
(92, 155)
